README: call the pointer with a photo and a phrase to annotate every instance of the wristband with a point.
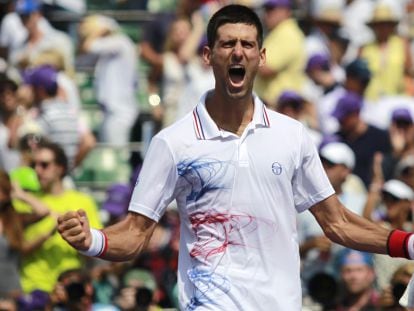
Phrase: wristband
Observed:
(407, 299)
(99, 244)
(398, 244)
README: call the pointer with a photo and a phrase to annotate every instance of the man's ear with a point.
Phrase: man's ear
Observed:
(262, 60)
(206, 55)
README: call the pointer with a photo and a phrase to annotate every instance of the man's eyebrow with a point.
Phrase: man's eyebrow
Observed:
(234, 40)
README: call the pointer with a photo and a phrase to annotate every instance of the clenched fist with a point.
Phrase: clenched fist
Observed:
(74, 229)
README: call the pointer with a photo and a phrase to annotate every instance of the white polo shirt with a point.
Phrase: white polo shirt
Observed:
(237, 198)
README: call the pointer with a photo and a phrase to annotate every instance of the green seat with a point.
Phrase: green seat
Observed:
(104, 165)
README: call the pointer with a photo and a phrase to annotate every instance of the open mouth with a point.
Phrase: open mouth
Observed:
(236, 74)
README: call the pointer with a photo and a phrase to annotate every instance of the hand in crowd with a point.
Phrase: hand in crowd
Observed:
(398, 139)
(377, 174)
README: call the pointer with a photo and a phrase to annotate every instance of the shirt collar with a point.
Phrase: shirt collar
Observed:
(205, 128)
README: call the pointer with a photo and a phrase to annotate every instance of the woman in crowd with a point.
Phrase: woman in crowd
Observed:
(12, 224)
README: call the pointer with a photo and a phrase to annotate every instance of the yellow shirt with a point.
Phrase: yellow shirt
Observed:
(285, 53)
(41, 269)
(387, 68)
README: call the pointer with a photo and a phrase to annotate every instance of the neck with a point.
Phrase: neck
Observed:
(232, 115)
(55, 189)
(359, 129)
(35, 35)
(357, 301)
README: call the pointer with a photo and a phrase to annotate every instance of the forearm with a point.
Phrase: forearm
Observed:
(372, 201)
(359, 233)
(39, 209)
(344, 227)
(126, 240)
(30, 246)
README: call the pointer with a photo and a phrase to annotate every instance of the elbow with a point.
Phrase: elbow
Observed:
(336, 230)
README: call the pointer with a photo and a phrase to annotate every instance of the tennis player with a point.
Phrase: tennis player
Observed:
(239, 174)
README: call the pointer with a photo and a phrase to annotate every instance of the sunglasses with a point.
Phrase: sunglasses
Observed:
(43, 164)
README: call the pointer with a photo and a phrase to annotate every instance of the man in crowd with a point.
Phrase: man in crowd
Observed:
(41, 269)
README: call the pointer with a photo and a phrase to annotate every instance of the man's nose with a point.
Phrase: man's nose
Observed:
(238, 51)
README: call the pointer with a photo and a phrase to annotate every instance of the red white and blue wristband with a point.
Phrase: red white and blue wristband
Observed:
(99, 244)
(400, 244)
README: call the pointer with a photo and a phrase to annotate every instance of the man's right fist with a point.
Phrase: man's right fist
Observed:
(74, 228)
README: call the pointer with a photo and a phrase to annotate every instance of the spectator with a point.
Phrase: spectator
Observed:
(363, 138)
(116, 202)
(357, 77)
(68, 91)
(320, 79)
(41, 268)
(179, 61)
(161, 256)
(391, 295)
(317, 252)
(388, 56)
(74, 292)
(11, 119)
(55, 119)
(327, 17)
(286, 56)
(155, 34)
(8, 304)
(405, 170)
(357, 279)
(13, 243)
(40, 36)
(389, 205)
(115, 76)
(295, 106)
(401, 131)
(36, 300)
(139, 291)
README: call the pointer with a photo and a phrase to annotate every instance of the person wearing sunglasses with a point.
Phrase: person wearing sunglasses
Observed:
(41, 269)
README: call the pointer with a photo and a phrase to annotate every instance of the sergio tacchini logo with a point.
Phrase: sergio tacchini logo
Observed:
(276, 168)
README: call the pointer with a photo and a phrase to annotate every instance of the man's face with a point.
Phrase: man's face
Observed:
(337, 173)
(235, 59)
(8, 100)
(349, 122)
(357, 277)
(46, 169)
(30, 20)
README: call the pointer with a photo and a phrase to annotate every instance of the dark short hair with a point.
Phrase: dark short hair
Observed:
(60, 157)
(233, 14)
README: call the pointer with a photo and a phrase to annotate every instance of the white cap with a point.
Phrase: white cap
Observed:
(327, 10)
(398, 189)
(338, 153)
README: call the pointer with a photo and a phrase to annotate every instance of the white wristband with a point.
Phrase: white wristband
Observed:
(98, 244)
(407, 299)
(410, 246)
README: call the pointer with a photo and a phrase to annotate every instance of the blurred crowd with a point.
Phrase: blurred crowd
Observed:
(344, 68)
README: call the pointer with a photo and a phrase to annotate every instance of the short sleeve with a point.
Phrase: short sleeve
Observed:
(154, 188)
(106, 46)
(310, 182)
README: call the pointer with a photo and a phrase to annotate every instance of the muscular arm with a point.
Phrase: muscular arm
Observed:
(127, 238)
(349, 229)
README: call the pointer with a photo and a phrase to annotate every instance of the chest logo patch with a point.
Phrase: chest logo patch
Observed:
(276, 168)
